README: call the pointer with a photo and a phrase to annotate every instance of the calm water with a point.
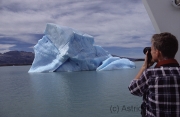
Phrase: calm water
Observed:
(63, 94)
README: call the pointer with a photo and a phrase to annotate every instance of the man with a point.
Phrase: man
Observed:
(159, 86)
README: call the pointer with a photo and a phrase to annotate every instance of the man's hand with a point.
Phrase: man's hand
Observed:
(144, 66)
(147, 63)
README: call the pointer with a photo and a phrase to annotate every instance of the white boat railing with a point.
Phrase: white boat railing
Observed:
(176, 3)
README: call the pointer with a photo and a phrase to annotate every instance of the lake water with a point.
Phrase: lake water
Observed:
(67, 94)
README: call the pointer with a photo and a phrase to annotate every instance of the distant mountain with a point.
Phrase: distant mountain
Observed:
(16, 58)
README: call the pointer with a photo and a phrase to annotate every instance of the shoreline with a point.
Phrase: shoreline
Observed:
(131, 59)
(15, 65)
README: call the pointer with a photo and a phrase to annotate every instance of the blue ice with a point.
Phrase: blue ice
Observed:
(114, 63)
(63, 49)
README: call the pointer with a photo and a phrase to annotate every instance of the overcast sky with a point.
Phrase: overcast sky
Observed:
(122, 27)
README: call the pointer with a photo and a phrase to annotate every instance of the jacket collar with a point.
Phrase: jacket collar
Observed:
(167, 63)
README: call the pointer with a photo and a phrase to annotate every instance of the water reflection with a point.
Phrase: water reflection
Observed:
(87, 93)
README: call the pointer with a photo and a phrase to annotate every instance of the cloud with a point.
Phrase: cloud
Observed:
(19, 42)
(5, 47)
(117, 23)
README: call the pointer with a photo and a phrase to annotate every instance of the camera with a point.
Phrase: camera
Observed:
(149, 54)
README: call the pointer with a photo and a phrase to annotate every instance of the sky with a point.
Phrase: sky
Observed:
(122, 27)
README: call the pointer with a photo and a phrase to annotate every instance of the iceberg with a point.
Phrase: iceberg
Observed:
(63, 49)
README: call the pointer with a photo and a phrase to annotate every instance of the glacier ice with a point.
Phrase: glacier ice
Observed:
(113, 63)
(66, 49)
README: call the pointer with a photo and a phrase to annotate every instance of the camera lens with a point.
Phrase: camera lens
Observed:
(149, 54)
(147, 49)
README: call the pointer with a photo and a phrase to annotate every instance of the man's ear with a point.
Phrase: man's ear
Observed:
(159, 54)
